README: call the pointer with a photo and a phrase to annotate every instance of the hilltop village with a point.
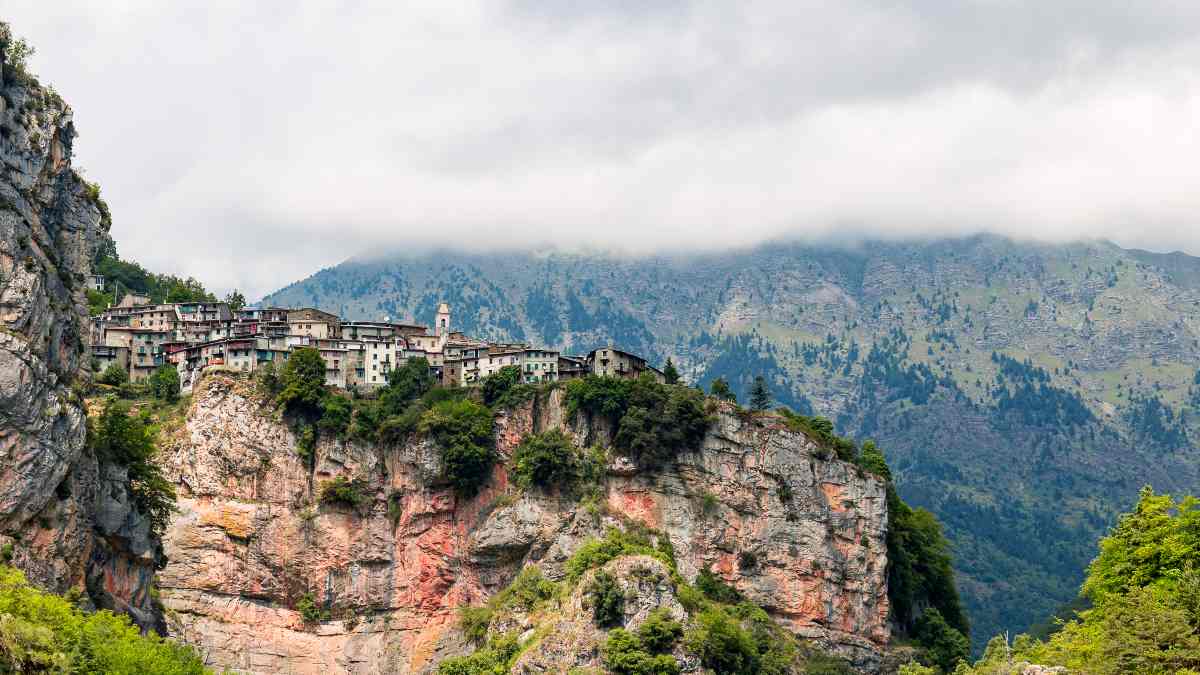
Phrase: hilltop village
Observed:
(140, 336)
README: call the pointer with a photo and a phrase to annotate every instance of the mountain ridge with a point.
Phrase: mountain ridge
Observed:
(1075, 365)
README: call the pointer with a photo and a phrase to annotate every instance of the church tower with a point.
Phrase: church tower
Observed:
(443, 321)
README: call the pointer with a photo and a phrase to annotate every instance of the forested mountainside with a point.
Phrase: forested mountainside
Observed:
(1024, 392)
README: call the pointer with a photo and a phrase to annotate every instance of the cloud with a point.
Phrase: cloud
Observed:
(249, 144)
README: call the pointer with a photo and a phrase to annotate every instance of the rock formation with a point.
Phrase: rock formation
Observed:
(796, 531)
(65, 519)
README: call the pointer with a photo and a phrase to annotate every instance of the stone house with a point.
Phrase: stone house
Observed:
(612, 362)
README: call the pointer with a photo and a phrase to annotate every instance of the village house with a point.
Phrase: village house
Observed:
(142, 336)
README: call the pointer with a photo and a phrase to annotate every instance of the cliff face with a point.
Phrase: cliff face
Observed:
(65, 519)
(250, 541)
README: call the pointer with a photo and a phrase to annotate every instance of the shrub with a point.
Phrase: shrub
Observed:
(268, 380)
(820, 430)
(722, 644)
(616, 543)
(405, 384)
(496, 657)
(309, 610)
(343, 491)
(497, 385)
(528, 590)
(335, 414)
(625, 654)
(113, 375)
(164, 383)
(474, 622)
(659, 632)
(463, 429)
(608, 602)
(941, 644)
(717, 590)
(545, 460)
(40, 632)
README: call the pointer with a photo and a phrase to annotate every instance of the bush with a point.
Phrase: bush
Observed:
(268, 380)
(497, 385)
(545, 460)
(343, 491)
(496, 657)
(527, 591)
(941, 644)
(335, 414)
(820, 430)
(616, 543)
(474, 622)
(717, 590)
(608, 602)
(164, 383)
(309, 610)
(625, 654)
(113, 375)
(463, 430)
(659, 632)
(40, 632)
(722, 644)
(405, 384)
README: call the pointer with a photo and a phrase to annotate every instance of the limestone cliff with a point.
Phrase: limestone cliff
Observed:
(797, 532)
(65, 519)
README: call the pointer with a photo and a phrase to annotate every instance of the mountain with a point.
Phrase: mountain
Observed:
(1023, 392)
(69, 518)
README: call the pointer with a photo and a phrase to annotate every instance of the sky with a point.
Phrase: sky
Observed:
(249, 144)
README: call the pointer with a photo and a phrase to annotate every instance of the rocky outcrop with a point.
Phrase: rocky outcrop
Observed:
(794, 530)
(65, 519)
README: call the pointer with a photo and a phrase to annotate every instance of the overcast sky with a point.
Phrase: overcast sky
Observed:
(251, 143)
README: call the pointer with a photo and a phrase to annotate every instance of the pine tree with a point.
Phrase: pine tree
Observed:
(760, 395)
(670, 372)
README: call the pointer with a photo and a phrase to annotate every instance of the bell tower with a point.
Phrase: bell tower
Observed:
(442, 327)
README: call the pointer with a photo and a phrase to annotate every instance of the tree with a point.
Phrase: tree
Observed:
(496, 385)
(405, 384)
(127, 440)
(114, 375)
(545, 460)
(670, 372)
(164, 383)
(942, 644)
(760, 395)
(303, 384)
(720, 389)
(235, 300)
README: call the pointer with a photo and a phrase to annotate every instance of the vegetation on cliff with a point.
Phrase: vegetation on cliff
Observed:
(127, 439)
(45, 633)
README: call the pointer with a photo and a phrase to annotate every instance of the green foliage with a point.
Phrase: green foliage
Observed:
(235, 300)
(527, 591)
(474, 622)
(164, 383)
(941, 644)
(309, 610)
(919, 571)
(494, 659)
(607, 600)
(722, 644)
(716, 589)
(40, 632)
(132, 277)
(659, 632)
(302, 384)
(344, 491)
(616, 543)
(267, 380)
(336, 412)
(670, 372)
(720, 389)
(820, 430)
(128, 440)
(545, 460)
(760, 395)
(463, 431)
(627, 654)
(98, 301)
(497, 385)
(405, 384)
(660, 422)
(113, 375)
